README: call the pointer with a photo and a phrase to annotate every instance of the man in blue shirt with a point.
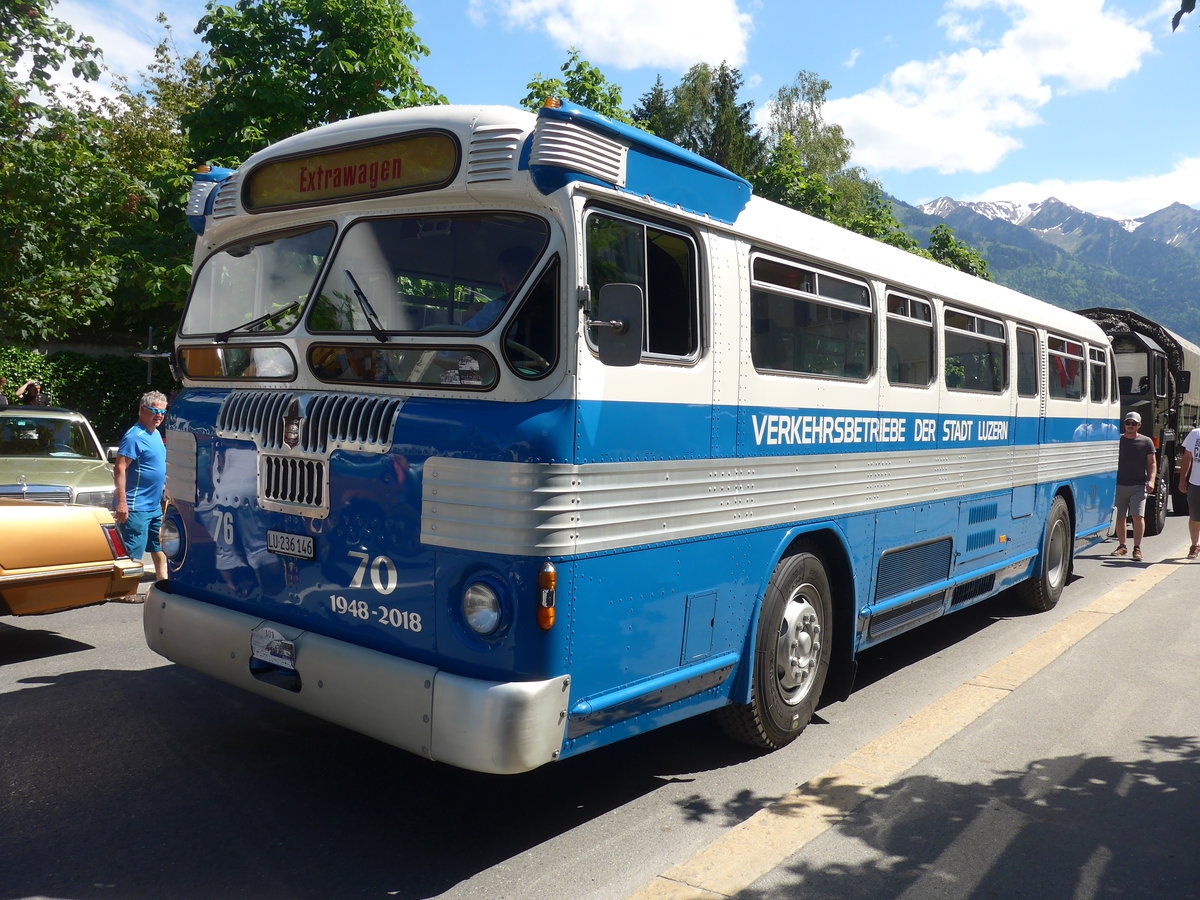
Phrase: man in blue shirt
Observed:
(139, 475)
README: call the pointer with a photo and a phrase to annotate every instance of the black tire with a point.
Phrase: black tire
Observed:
(1041, 592)
(1179, 501)
(792, 648)
(1156, 507)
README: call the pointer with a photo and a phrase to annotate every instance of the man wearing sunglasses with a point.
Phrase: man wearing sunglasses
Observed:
(139, 476)
(1137, 470)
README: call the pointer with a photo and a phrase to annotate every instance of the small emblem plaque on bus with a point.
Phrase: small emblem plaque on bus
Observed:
(284, 543)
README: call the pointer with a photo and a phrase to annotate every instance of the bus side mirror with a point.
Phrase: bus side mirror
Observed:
(1183, 381)
(619, 324)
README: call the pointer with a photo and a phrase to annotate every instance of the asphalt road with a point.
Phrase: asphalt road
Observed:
(123, 776)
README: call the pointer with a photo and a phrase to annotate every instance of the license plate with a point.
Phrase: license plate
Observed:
(285, 544)
(270, 646)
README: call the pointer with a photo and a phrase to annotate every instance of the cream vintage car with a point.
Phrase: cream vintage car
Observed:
(54, 556)
(53, 454)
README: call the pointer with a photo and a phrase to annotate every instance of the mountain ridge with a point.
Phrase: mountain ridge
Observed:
(1077, 259)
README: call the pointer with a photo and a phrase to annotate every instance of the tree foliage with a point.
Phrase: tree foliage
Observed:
(948, 250)
(278, 67)
(706, 116)
(798, 159)
(1186, 6)
(581, 83)
(63, 200)
(143, 127)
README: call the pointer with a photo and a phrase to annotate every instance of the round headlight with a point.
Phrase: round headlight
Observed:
(171, 537)
(481, 608)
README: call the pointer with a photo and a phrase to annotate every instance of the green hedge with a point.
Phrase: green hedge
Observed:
(106, 389)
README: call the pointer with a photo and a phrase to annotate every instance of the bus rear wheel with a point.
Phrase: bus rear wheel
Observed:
(1041, 592)
(792, 649)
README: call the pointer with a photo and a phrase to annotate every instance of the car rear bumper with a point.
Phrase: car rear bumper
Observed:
(50, 589)
(487, 726)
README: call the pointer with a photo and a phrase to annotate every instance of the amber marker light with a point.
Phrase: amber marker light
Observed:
(547, 589)
(552, 103)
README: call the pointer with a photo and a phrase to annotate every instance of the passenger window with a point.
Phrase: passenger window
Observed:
(1066, 368)
(804, 320)
(910, 344)
(976, 353)
(1027, 363)
(1099, 373)
(659, 261)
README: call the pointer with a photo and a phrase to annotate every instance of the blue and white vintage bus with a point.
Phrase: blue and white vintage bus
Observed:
(508, 436)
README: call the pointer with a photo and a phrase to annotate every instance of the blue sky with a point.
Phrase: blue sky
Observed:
(1089, 101)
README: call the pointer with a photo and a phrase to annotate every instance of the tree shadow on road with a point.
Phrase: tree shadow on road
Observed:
(1072, 826)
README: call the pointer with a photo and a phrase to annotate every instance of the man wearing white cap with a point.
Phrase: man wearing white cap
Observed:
(1137, 470)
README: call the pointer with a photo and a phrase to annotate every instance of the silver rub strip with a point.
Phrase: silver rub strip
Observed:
(528, 509)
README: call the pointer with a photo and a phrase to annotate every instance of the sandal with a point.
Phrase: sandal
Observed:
(1137, 554)
(1120, 550)
(1194, 552)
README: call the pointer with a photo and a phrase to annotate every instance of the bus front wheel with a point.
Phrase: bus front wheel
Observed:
(792, 649)
(1041, 592)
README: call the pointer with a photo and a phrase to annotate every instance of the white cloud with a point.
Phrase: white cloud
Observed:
(1130, 198)
(852, 58)
(628, 34)
(960, 112)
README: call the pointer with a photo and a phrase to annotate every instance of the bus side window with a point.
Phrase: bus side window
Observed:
(910, 343)
(663, 264)
(1027, 363)
(1066, 368)
(976, 353)
(1099, 373)
(807, 321)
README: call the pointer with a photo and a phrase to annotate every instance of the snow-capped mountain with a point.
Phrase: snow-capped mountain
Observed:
(1077, 259)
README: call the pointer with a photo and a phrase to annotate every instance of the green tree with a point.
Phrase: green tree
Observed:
(278, 67)
(145, 136)
(709, 119)
(797, 110)
(1186, 6)
(581, 83)
(63, 200)
(655, 112)
(948, 250)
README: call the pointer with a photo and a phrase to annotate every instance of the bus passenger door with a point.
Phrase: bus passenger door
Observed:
(1028, 416)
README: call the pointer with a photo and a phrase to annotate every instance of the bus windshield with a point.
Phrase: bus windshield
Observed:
(440, 273)
(258, 285)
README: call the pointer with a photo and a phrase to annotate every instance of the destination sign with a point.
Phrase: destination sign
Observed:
(415, 162)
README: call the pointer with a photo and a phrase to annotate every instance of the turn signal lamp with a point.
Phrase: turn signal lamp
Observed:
(552, 103)
(547, 591)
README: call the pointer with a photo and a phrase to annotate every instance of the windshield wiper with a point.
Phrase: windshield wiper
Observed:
(372, 319)
(261, 320)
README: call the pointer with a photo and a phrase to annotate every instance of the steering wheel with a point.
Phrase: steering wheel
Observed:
(525, 360)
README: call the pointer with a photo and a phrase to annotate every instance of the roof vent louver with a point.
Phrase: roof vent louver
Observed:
(494, 153)
(569, 146)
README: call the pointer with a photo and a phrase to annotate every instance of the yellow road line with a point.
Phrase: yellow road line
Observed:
(754, 847)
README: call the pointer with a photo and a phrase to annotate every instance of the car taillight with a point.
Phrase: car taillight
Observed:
(115, 544)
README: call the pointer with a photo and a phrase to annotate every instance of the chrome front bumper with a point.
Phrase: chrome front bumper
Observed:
(496, 727)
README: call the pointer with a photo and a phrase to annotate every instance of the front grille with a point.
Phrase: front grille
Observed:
(293, 484)
(321, 422)
(54, 493)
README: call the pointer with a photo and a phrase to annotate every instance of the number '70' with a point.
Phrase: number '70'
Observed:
(383, 572)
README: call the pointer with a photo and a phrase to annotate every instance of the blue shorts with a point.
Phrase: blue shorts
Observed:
(140, 532)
